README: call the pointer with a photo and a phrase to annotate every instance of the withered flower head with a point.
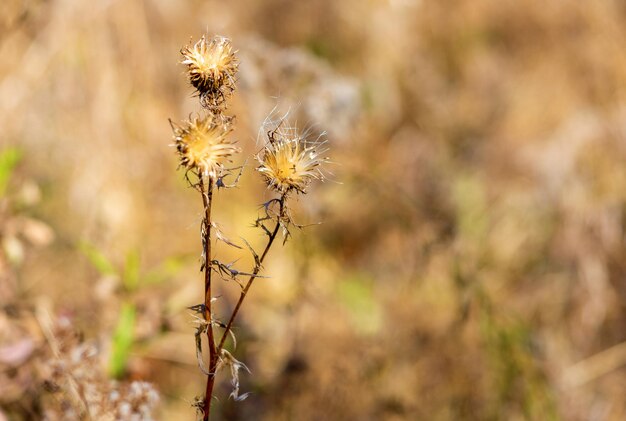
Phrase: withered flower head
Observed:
(203, 143)
(288, 162)
(211, 67)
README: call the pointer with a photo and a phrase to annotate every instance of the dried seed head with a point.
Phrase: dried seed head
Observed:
(203, 143)
(211, 67)
(289, 162)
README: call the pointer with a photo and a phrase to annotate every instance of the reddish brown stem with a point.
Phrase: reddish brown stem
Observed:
(207, 200)
(255, 273)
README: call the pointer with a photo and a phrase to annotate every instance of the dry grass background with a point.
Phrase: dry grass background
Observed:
(471, 260)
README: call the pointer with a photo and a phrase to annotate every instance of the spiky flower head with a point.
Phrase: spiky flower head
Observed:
(289, 162)
(203, 143)
(211, 67)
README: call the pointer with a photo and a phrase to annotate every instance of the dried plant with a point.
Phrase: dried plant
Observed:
(81, 390)
(212, 65)
(288, 162)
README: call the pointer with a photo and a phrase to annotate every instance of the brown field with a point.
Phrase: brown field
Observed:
(471, 260)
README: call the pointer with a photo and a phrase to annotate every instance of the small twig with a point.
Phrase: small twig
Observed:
(595, 366)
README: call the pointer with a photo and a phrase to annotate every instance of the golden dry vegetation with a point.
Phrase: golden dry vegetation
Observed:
(471, 260)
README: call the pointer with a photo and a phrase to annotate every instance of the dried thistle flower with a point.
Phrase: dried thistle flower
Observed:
(211, 67)
(289, 162)
(203, 143)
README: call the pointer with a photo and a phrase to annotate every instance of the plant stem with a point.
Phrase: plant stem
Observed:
(207, 200)
(255, 272)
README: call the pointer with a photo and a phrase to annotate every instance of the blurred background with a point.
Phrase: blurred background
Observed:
(471, 261)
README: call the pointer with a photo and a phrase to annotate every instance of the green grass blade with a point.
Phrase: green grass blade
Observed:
(9, 158)
(97, 259)
(122, 341)
(131, 271)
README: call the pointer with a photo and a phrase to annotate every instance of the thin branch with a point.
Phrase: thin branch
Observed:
(255, 273)
(207, 200)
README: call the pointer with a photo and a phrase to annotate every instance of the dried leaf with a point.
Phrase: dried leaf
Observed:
(199, 331)
(235, 365)
(221, 237)
(257, 261)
